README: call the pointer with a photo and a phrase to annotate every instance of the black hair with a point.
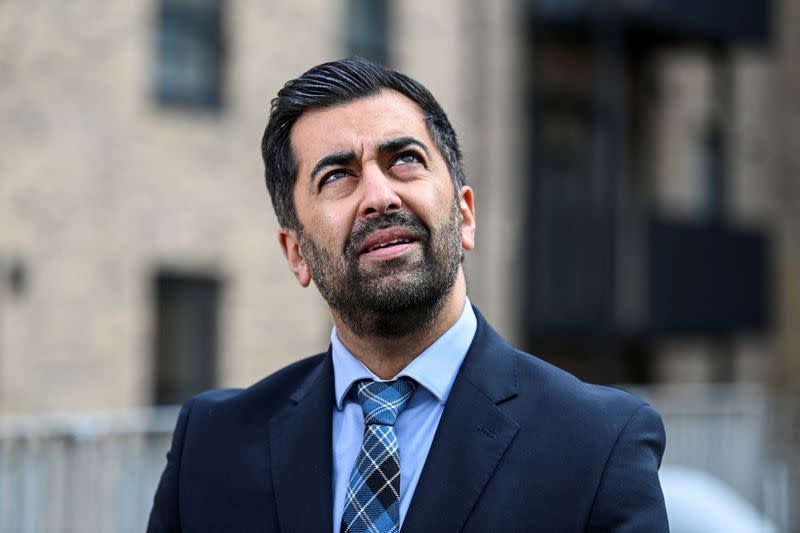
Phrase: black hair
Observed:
(336, 83)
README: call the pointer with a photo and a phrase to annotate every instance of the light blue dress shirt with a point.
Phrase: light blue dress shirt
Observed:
(434, 370)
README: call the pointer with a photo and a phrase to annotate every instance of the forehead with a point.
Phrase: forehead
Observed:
(358, 125)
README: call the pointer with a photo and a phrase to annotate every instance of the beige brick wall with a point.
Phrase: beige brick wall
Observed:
(101, 186)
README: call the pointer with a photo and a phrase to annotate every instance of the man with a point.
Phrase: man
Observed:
(419, 416)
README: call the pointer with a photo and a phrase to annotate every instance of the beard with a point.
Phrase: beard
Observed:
(396, 297)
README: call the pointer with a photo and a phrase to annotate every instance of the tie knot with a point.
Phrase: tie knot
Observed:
(382, 401)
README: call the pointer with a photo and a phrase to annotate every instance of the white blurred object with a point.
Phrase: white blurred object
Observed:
(698, 502)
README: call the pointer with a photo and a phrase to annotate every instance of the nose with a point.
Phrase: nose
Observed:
(379, 196)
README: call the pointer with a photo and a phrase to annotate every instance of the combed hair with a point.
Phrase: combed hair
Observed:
(332, 84)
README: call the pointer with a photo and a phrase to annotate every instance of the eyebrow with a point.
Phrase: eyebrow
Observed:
(398, 143)
(336, 158)
(346, 157)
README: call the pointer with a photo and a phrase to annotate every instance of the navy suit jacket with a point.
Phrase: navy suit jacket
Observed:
(521, 446)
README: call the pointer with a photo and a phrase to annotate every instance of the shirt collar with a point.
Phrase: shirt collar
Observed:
(435, 368)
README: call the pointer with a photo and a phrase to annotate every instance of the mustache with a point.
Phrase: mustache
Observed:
(404, 220)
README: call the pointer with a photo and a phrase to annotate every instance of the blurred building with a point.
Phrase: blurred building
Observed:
(635, 166)
(636, 170)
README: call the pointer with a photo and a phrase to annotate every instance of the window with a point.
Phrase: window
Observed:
(367, 26)
(190, 53)
(186, 336)
(571, 233)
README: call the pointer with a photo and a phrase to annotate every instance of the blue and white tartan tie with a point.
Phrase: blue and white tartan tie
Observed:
(372, 503)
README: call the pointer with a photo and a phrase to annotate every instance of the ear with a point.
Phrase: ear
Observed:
(466, 206)
(290, 244)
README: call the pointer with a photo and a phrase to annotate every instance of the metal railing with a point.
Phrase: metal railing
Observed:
(82, 472)
(742, 435)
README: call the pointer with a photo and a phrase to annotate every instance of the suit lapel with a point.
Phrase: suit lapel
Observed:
(472, 437)
(301, 452)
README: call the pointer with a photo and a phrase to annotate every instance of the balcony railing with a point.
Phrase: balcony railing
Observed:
(87, 472)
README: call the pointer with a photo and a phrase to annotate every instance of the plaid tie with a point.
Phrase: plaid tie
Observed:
(372, 502)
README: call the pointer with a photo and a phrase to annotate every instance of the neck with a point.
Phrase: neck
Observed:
(386, 357)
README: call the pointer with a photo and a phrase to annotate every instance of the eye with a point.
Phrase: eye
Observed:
(407, 158)
(332, 176)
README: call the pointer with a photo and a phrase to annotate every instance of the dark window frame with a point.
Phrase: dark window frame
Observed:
(190, 54)
(186, 335)
(368, 29)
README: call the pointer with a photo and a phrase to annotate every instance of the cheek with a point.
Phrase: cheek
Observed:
(332, 229)
(428, 201)
(440, 207)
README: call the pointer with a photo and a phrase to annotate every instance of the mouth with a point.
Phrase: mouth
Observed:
(387, 243)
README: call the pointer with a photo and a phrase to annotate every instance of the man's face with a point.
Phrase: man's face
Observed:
(382, 227)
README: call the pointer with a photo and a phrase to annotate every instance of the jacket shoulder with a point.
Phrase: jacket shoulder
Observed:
(267, 396)
(606, 407)
(574, 405)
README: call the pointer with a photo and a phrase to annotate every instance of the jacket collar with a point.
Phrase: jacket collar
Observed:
(472, 436)
(301, 454)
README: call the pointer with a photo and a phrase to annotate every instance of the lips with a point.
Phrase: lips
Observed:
(385, 244)
(386, 238)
